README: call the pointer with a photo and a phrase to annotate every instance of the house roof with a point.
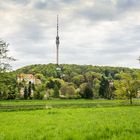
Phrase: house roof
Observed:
(28, 76)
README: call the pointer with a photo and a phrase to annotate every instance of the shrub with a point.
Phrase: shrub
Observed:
(56, 91)
(68, 91)
(86, 91)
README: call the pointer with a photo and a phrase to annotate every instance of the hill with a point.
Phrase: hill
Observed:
(49, 70)
(69, 81)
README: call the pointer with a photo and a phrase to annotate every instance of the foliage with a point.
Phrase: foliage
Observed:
(52, 82)
(25, 92)
(49, 93)
(8, 86)
(88, 92)
(40, 77)
(56, 91)
(39, 92)
(103, 81)
(82, 89)
(78, 79)
(127, 87)
(68, 91)
(29, 89)
(105, 90)
(4, 58)
(96, 87)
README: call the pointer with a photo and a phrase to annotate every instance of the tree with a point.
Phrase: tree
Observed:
(39, 91)
(4, 58)
(68, 91)
(88, 93)
(50, 83)
(8, 85)
(7, 82)
(29, 89)
(132, 90)
(25, 93)
(96, 87)
(40, 76)
(82, 89)
(103, 87)
(78, 79)
(37, 95)
(127, 88)
(105, 90)
(89, 78)
(56, 91)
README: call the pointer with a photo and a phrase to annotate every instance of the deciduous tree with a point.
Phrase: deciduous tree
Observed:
(4, 58)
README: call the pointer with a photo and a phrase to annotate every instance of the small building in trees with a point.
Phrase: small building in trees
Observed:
(28, 78)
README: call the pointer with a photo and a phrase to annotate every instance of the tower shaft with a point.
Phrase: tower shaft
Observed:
(57, 43)
(57, 54)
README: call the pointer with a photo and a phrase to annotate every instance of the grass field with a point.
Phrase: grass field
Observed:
(72, 122)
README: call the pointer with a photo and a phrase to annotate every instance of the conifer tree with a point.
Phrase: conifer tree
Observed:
(29, 89)
(25, 93)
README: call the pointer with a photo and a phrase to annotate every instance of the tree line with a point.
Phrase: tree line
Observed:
(75, 81)
(69, 81)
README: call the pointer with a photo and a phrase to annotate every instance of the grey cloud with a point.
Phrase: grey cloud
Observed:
(23, 2)
(69, 1)
(126, 42)
(31, 31)
(33, 37)
(17, 2)
(119, 49)
(102, 10)
(53, 4)
(126, 4)
(41, 5)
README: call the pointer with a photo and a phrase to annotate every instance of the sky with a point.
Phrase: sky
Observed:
(92, 32)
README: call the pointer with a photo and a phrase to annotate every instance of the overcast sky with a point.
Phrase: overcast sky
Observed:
(97, 32)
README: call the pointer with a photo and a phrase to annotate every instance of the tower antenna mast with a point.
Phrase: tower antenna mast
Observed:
(57, 43)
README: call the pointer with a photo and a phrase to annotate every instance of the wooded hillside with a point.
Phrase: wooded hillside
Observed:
(71, 81)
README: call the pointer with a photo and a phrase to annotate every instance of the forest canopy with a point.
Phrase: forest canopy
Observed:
(71, 81)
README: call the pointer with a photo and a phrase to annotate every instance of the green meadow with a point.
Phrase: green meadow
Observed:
(70, 120)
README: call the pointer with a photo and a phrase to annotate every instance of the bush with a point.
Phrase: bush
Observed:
(68, 91)
(4, 95)
(56, 91)
(86, 91)
(39, 95)
(50, 93)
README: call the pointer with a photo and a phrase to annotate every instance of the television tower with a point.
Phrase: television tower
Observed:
(57, 43)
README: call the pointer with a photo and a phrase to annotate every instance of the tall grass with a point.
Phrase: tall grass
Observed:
(15, 105)
(114, 123)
